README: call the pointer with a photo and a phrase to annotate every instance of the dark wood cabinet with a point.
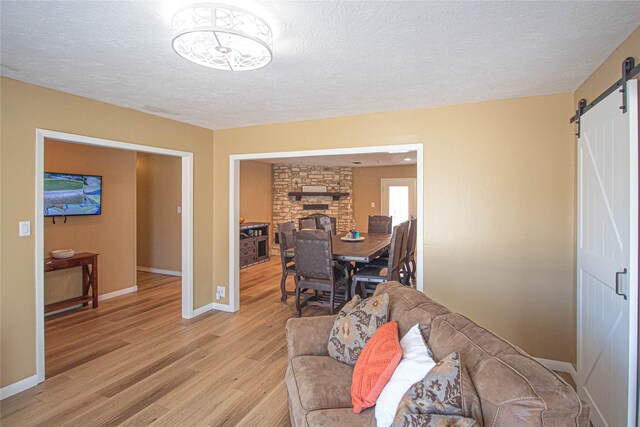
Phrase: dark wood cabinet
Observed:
(254, 243)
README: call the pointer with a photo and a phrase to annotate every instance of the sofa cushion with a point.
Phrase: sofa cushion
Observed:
(514, 389)
(445, 390)
(322, 382)
(353, 327)
(415, 363)
(375, 366)
(342, 417)
(433, 420)
(408, 307)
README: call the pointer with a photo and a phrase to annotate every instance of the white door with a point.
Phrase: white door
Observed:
(608, 259)
(399, 198)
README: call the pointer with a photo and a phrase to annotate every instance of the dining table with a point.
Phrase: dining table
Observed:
(363, 251)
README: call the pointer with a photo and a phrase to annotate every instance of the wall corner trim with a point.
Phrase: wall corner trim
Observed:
(557, 365)
(212, 306)
(18, 387)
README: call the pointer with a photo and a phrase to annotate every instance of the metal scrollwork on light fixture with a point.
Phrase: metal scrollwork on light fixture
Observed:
(222, 36)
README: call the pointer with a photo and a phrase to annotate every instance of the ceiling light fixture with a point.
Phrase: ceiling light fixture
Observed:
(222, 36)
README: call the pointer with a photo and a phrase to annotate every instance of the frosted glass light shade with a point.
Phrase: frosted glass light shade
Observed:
(222, 37)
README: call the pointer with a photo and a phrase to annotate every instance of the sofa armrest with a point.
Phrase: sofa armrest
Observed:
(308, 336)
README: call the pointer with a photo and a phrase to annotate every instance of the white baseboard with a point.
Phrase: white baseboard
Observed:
(100, 298)
(118, 293)
(62, 310)
(212, 306)
(18, 387)
(556, 365)
(159, 271)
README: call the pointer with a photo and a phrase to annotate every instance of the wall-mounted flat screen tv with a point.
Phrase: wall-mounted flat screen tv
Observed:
(68, 194)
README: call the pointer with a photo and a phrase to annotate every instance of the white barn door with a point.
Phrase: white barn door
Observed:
(607, 270)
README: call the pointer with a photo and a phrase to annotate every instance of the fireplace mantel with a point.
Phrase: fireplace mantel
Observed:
(300, 194)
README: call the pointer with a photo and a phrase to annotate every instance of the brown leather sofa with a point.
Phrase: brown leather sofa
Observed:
(514, 389)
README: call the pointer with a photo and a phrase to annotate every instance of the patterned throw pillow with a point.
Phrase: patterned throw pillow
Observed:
(355, 324)
(433, 420)
(446, 390)
(374, 367)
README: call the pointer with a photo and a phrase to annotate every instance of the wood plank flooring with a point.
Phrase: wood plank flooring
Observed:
(134, 361)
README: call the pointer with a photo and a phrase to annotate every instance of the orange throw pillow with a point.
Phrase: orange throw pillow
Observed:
(375, 366)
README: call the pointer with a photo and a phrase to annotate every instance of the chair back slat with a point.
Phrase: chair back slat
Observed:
(405, 241)
(286, 241)
(380, 224)
(285, 235)
(396, 254)
(413, 237)
(314, 254)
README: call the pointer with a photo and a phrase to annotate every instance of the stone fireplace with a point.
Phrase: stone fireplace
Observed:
(290, 178)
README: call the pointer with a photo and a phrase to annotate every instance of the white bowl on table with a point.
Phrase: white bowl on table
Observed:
(63, 253)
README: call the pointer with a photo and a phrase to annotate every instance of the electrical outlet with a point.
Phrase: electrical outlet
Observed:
(220, 291)
(24, 228)
(373, 204)
(179, 209)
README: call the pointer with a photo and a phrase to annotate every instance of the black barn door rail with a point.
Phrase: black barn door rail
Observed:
(629, 71)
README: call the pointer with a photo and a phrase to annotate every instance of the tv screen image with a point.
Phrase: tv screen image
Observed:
(70, 194)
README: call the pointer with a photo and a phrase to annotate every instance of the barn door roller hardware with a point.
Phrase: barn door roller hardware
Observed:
(629, 71)
(627, 66)
(581, 105)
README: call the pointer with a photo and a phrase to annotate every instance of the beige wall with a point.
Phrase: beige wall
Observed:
(110, 234)
(159, 225)
(367, 189)
(255, 191)
(23, 108)
(498, 203)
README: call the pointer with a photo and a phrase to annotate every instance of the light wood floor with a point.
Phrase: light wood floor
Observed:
(134, 361)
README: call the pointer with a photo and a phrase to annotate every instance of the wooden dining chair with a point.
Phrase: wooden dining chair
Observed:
(307, 224)
(408, 275)
(369, 276)
(317, 272)
(286, 232)
(380, 224)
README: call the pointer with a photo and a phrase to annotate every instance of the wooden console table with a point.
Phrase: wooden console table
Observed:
(254, 243)
(89, 279)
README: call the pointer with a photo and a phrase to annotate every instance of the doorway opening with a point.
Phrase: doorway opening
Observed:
(327, 159)
(399, 199)
(186, 223)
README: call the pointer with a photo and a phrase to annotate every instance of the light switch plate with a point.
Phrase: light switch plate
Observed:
(373, 204)
(179, 209)
(25, 228)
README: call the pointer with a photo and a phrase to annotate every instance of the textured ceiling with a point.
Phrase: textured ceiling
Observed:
(330, 58)
(365, 159)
